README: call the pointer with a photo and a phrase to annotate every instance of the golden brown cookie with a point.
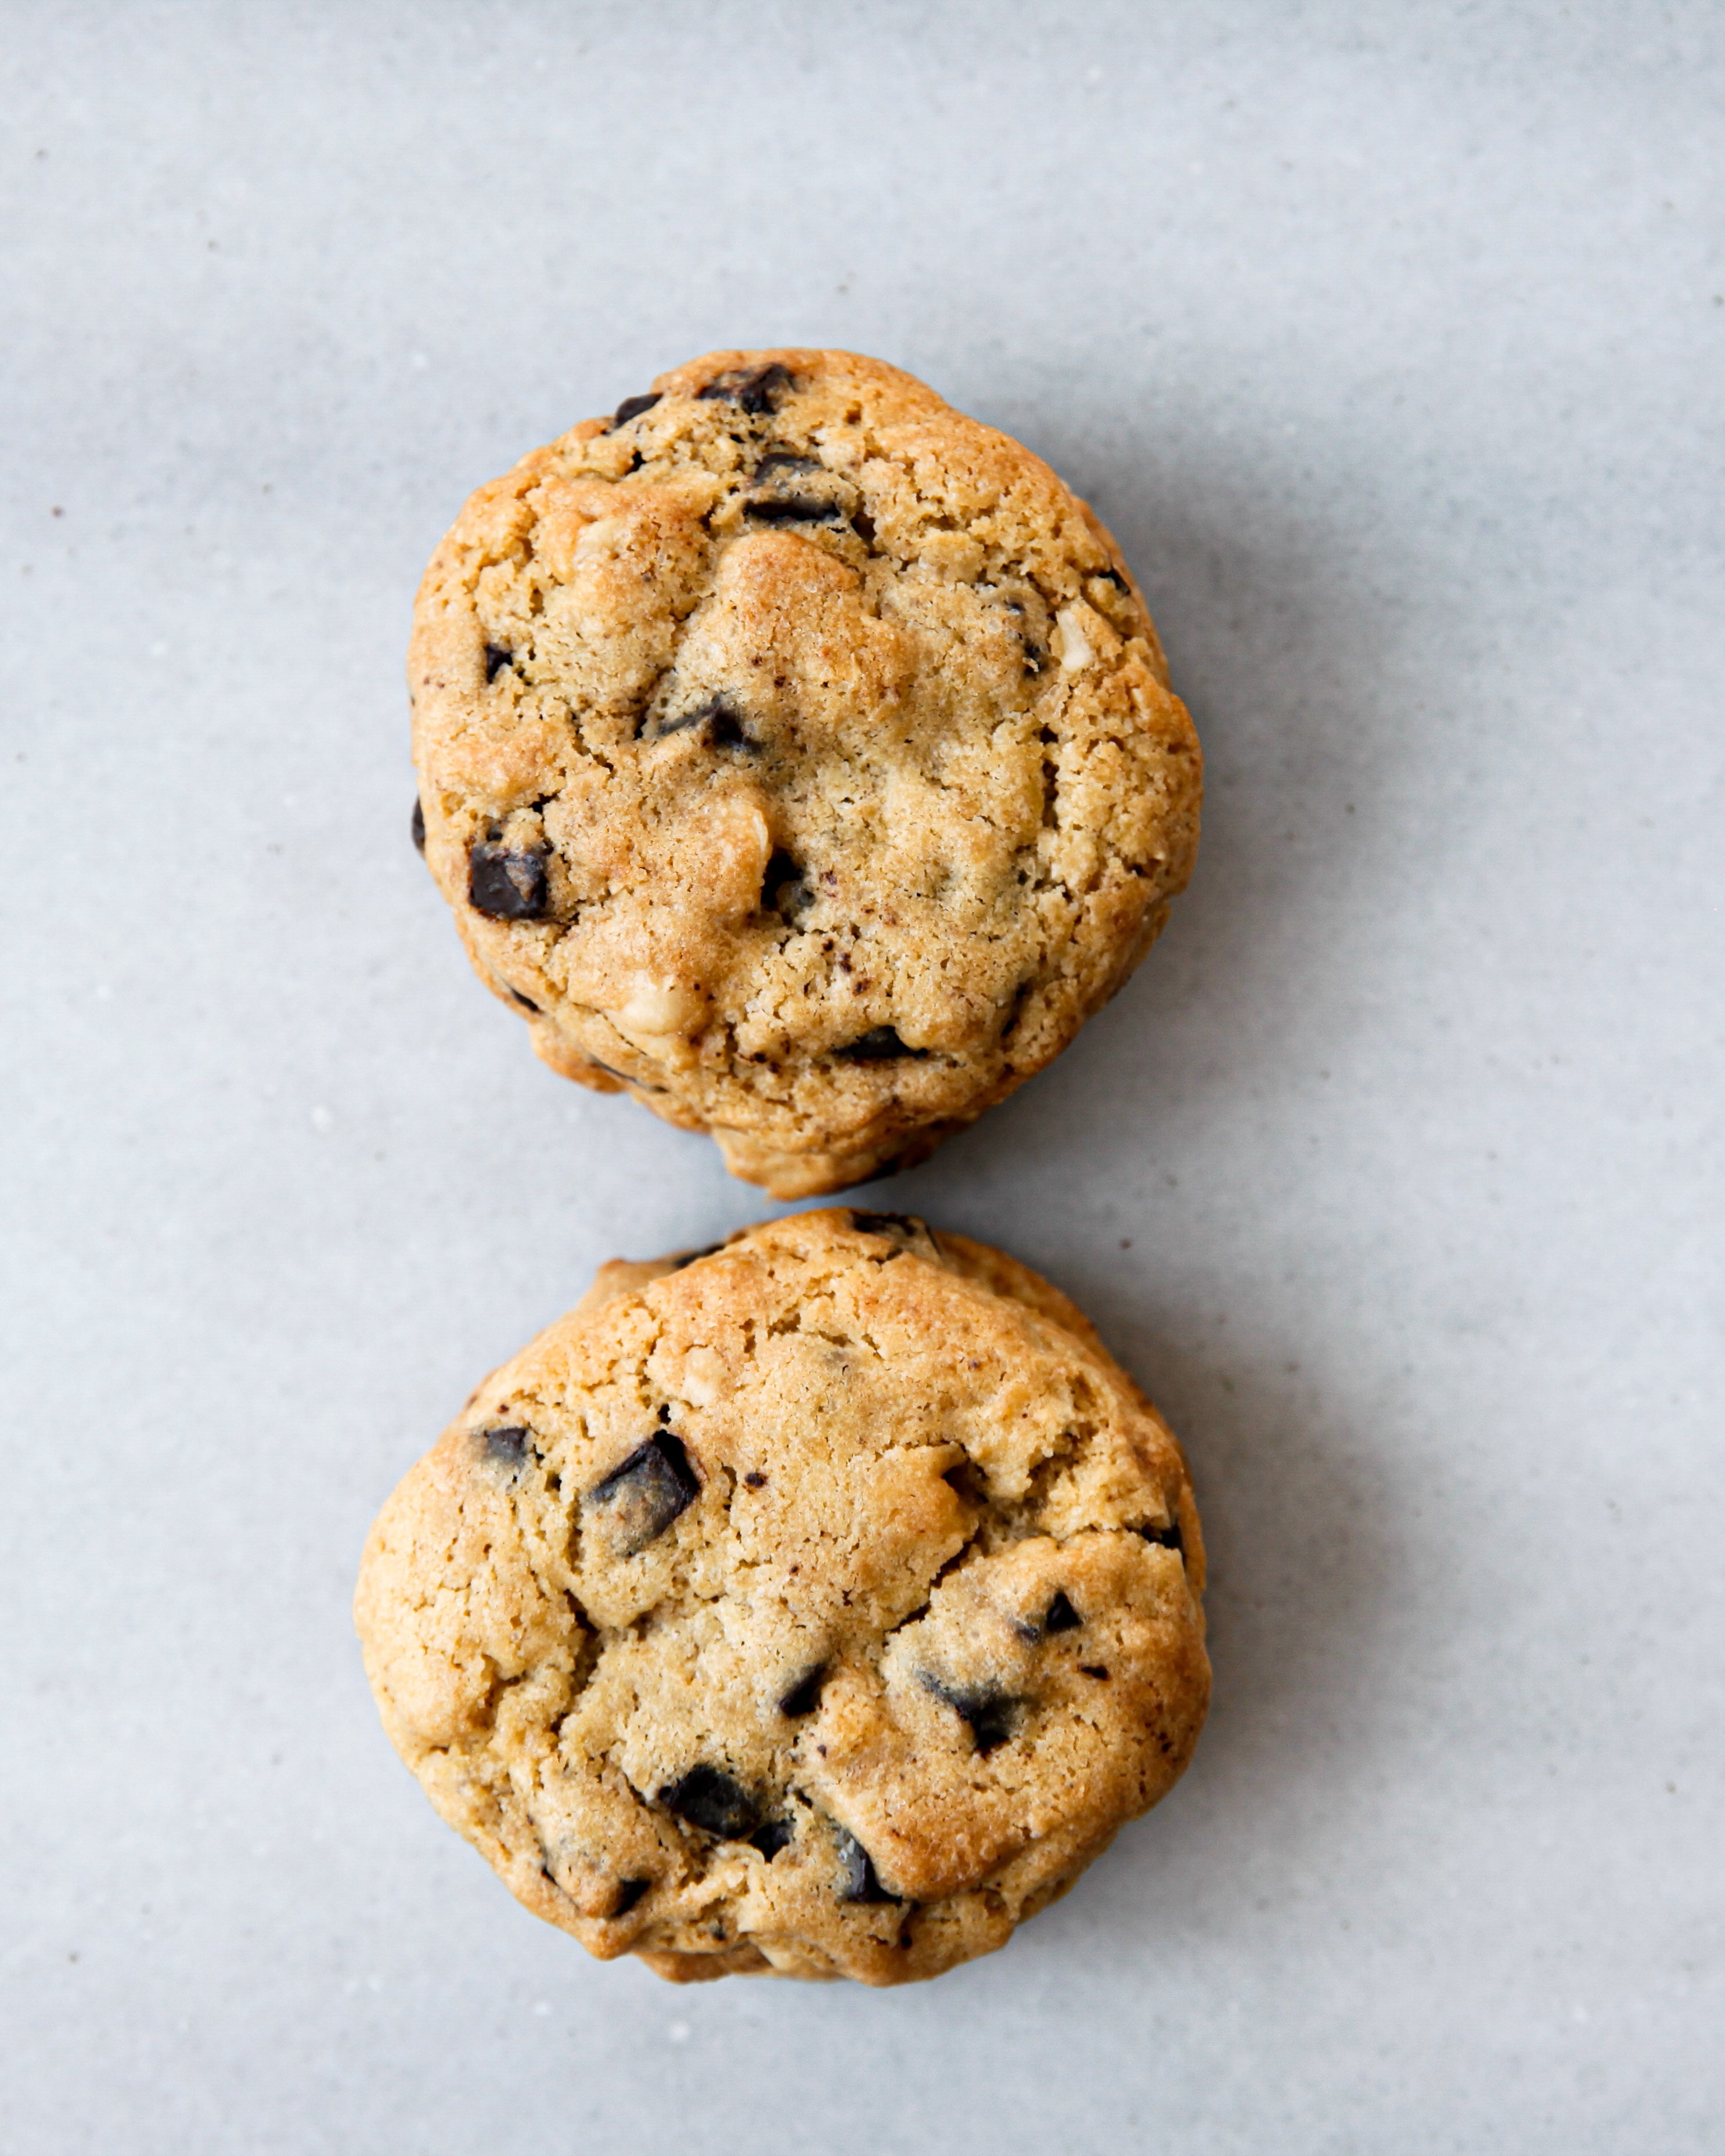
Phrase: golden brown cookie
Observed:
(821, 1604)
(797, 755)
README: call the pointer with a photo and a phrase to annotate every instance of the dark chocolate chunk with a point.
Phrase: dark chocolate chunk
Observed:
(756, 391)
(718, 717)
(1035, 658)
(497, 657)
(778, 463)
(1167, 1538)
(902, 1227)
(779, 471)
(785, 889)
(761, 391)
(864, 525)
(418, 823)
(507, 1448)
(695, 1257)
(804, 1695)
(632, 407)
(648, 1491)
(857, 1880)
(724, 728)
(989, 1714)
(1093, 1670)
(755, 1479)
(775, 1835)
(880, 1044)
(507, 885)
(628, 1892)
(1061, 1616)
(792, 509)
(713, 1802)
(527, 1003)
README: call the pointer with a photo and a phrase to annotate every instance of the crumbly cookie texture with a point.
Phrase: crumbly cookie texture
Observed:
(797, 755)
(819, 1605)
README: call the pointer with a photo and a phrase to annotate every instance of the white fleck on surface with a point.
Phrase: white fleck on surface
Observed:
(1076, 652)
(654, 1008)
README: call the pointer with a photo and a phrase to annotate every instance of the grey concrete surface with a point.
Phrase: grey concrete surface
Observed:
(1392, 342)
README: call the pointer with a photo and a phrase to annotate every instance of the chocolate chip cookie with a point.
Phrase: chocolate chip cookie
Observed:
(821, 1604)
(797, 755)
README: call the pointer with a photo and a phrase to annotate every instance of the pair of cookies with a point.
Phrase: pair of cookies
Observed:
(797, 755)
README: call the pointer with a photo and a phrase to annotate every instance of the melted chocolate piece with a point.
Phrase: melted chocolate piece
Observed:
(784, 504)
(792, 509)
(863, 524)
(1167, 1538)
(755, 1479)
(1093, 1670)
(1061, 1616)
(724, 728)
(419, 825)
(880, 1044)
(695, 1257)
(507, 1448)
(857, 1880)
(628, 1892)
(756, 393)
(506, 884)
(527, 1003)
(778, 464)
(902, 1227)
(714, 1802)
(632, 407)
(804, 1695)
(718, 717)
(785, 889)
(648, 1491)
(989, 1714)
(775, 1835)
(497, 657)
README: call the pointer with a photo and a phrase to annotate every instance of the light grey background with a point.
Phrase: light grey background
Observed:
(1391, 340)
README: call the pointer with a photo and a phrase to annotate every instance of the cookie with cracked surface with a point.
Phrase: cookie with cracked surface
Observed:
(819, 1605)
(797, 755)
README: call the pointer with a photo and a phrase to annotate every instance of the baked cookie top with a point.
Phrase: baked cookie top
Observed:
(798, 754)
(821, 1604)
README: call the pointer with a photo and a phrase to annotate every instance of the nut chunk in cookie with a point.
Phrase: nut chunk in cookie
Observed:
(820, 1604)
(797, 755)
